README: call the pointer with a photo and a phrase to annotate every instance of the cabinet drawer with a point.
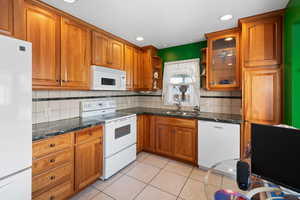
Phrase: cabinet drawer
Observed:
(51, 178)
(59, 192)
(188, 123)
(88, 134)
(51, 145)
(51, 161)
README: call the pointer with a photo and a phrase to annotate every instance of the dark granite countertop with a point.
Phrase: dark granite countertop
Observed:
(217, 117)
(49, 129)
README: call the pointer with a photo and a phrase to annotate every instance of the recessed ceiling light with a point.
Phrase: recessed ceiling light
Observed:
(226, 17)
(228, 39)
(70, 1)
(139, 38)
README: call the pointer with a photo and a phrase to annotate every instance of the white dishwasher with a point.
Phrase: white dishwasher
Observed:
(217, 142)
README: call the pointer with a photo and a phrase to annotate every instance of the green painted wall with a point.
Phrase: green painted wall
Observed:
(183, 52)
(292, 64)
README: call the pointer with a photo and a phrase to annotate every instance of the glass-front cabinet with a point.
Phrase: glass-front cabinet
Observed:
(223, 67)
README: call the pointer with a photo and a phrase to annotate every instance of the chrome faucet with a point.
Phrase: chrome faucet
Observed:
(178, 102)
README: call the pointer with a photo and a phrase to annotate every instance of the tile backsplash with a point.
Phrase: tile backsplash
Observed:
(56, 105)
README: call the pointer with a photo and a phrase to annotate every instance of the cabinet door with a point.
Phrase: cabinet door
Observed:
(117, 54)
(138, 70)
(11, 18)
(88, 163)
(184, 140)
(75, 54)
(149, 133)
(262, 42)
(163, 134)
(147, 70)
(223, 70)
(140, 133)
(263, 95)
(43, 31)
(6, 19)
(129, 66)
(101, 46)
(245, 140)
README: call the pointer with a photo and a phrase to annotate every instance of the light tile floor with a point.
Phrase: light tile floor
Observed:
(153, 177)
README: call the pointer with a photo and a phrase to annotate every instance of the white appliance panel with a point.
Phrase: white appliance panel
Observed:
(217, 142)
(115, 143)
(119, 161)
(15, 105)
(16, 187)
(104, 78)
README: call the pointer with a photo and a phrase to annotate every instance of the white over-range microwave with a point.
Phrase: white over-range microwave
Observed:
(104, 78)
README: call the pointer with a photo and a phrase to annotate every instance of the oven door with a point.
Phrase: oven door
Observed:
(119, 134)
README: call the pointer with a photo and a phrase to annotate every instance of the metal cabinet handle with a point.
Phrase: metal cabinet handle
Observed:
(52, 177)
(52, 145)
(218, 127)
(52, 160)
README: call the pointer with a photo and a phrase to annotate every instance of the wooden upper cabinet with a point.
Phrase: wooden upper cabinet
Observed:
(138, 69)
(43, 31)
(75, 54)
(133, 67)
(11, 18)
(151, 65)
(100, 47)
(223, 68)
(117, 54)
(128, 66)
(107, 52)
(263, 95)
(262, 40)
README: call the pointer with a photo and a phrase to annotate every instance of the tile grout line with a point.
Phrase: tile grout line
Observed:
(148, 184)
(161, 169)
(188, 177)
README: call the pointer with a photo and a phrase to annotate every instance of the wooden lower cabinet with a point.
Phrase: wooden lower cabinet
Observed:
(168, 136)
(62, 191)
(263, 95)
(148, 133)
(87, 163)
(140, 133)
(163, 139)
(176, 138)
(184, 143)
(63, 165)
(53, 168)
(88, 157)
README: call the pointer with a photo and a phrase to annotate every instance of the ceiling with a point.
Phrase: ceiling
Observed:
(164, 23)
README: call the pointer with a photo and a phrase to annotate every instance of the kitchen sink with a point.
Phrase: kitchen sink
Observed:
(184, 113)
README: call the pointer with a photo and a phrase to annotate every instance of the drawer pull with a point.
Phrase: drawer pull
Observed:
(52, 177)
(52, 160)
(51, 145)
(52, 198)
(218, 127)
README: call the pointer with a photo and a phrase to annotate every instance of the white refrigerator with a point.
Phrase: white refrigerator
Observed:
(15, 119)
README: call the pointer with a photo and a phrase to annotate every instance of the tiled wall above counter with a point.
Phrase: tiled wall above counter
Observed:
(217, 102)
(56, 105)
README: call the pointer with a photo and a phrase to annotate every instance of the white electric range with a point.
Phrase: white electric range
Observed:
(119, 134)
